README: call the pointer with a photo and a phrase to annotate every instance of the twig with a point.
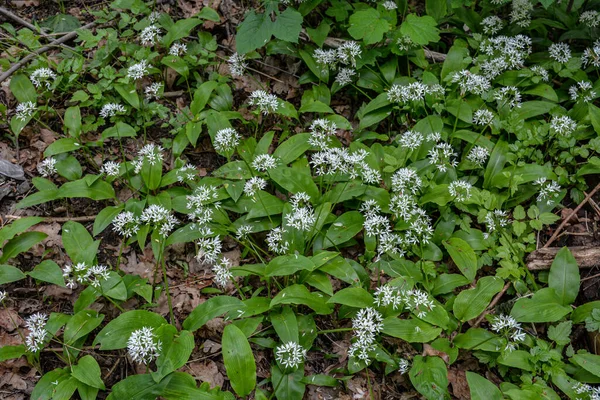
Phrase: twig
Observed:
(492, 305)
(29, 57)
(21, 21)
(587, 278)
(562, 225)
(594, 205)
(61, 349)
(86, 218)
(111, 370)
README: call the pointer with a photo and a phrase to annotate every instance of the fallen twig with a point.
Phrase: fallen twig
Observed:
(21, 21)
(492, 305)
(586, 257)
(57, 219)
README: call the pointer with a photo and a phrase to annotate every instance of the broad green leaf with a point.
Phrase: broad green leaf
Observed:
(299, 294)
(561, 333)
(117, 332)
(564, 276)
(472, 302)
(253, 33)
(285, 325)
(544, 306)
(463, 256)
(446, 283)
(288, 265)
(430, 377)
(353, 296)
(22, 88)
(583, 311)
(411, 330)
(87, 371)
(48, 271)
(119, 130)
(294, 181)
(69, 168)
(421, 30)
(73, 120)
(481, 388)
(19, 226)
(129, 94)
(517, 359)
(495, 163)
(292, 148)
(210, 309)
(478, 339)
(594, 117)
(589, 362)
(344, 228)
(46, 386)
(63, 145)
(288, 25)
(105, 218)
(81, 324)
(368, 25)
(176, 350)
(436, 8)
(239, 360)
(180, 29)
(78, 243)
(20, 244)
(10, 352)
(290, 386)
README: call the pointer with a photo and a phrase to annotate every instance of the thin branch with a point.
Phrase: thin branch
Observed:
(21, 21)
(492, 304)
(86, 218)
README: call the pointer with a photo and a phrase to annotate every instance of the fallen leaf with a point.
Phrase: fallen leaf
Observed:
(206, 372)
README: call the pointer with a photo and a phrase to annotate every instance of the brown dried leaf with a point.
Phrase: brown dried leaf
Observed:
(207, 372)
(458, 381)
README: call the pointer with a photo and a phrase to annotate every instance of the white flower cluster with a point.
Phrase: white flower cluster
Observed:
(47, 167)
(406, 179)
(414, 300)
(411, 140)
(303, 215)
(154, 16)
(150, 35)
(592, 55)
(226, 140)
(495, 219)
(111, 109)
(548, 191)
(508, 95)
(290, 355)
(265, 102)
(153, 90)
(345, 76)
(510, 329)
(460, 190)
(521, 13)
(110, 168)
(25, 110)
(321, 132)
(563, 125)
(540, 71)
(43, 76)
(275, 241)
(237, 64)
(560, 52)
(36, 324)
(478, 155)
(143, 345)
(264, 162)
(346, 54)
(504, 52)
(150, 153)
(2, 295)
(254, 185)
(414, 91)
(582, 90)
(187, 173)
(367, 325)
(126, 224)
(222, 272)
(469, 82)
(403, 366)
(492, 25)
(160, 218)
(483, 117)
(138, 71)
(201, 204)
(84, 274)
(593, 393)
(178, 49)
(389, 5)
(209, 247)
(590, 18)
(243, 231)
(442, 155)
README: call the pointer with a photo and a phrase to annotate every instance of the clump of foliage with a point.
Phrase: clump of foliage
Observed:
(396, 223)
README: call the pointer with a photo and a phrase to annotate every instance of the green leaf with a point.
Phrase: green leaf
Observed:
(176, 350)
(288, 265)
(61, 23)
(73, 120)
(210, 309)
(253, 33)
(516, 359)
(88, 372)
(594, 117)
(48, 271)
(208, 14)
(478, 339)
(151, 174)
(589, 362)
(22, 88)
(78, 243)
(436, 8)
(180, 29)
(295, 180)
(292, 148)
(421, 30)
(129, 94)
(19, 226)
(69, 168)
(285, 325)
(564, 276)
(353, 296)
(20, 244)
(117, 332)
(344, 228)
(561, 333)
(544, 306)
(299, 294)
(411, 330)
(119, 130)
(288, 25)
(45, 388)
(430, 377)
(472, 302)
(105, 218)
(81, 324)
(368, 25)
(495, 163)
(63, 145)
(463, 256)
(10, 352)
(481, 388)
(239, 360)
(289, 386)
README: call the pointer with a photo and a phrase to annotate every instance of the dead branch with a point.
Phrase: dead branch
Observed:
(586, 256)
(86, 218)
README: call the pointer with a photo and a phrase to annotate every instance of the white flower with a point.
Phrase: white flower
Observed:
(178, 49)
(348, 52)
(442, 155)
(492, 25)
(325, 58)
(478, 155)
(508, 95)
(226, 140)
(504, 52)
(290, 355)
(406, 179)
(403, 205)
(36, 324)
(243, 231)
(388, 295)
(84, 274)
(187, 173)
(25, 110)
(548, 191)
(47, 167)
(460, 190)
(275, 241)
(138, 71)
(253, 185)
(521, 13)
(126, 224)
(265, 102)
(345, 75)
(154, 16)
(405, 43)
(541, 72)
(508, 327)
(470, 82)
(160, 217)
(560, 52)
(390, 5)
(2, 295)
(403, 366)
(483, 117)
(590, 18)
(367, 324)
(496, 218)
(264, 162)
(222, 273)
(415, 91)
(209, 249)
(237, 64)
(143, 345)
(321, 132)
(153, 90)
(151, 154)
(592, 55)
(302, 216)
(563, 125)
(202, 203)
(150, 35)
(411, 140)
(418, 302)
(42, 76)
(337, 160)
(110, 168)
(582, 90)
(111, 109)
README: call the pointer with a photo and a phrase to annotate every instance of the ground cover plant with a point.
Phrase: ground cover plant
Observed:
(310, 199)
